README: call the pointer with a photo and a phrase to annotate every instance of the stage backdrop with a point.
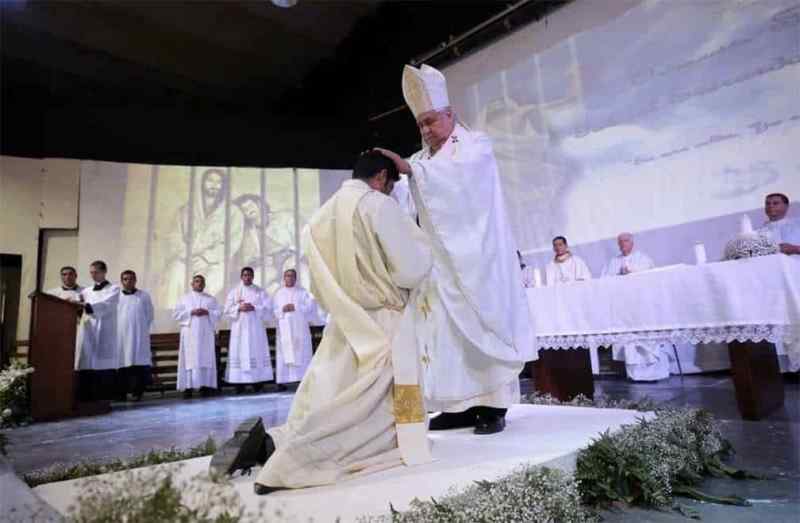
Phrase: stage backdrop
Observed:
(667, 118)
(169, 222)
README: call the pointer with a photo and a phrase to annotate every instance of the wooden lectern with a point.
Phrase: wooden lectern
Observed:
(564, 373)
(54, 382)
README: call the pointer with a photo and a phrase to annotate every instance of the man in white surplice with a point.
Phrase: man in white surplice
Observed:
(565, 267)
(69, 289)
(97, 350)
(785, 231)
(628, 260)
(359, 408)
(197, 313)
(475, 330)
(293, 307)
(134, 317)
(247, 307)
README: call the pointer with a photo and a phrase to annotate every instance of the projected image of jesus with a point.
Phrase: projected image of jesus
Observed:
(198, 245)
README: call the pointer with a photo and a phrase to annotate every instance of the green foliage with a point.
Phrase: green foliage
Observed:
(531, 494)
(14, 404)
(152, 495)
(59, 472)
(652, 461)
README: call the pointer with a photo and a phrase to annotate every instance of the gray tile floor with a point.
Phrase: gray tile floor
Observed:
(770, 446)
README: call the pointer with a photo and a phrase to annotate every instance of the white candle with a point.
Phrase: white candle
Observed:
(699, 253)
(537, 277)
(745, 225)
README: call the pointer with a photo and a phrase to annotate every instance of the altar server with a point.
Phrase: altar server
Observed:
(294, 308)
(135, 315)
(785, 231)
(197, 313)
(69, 289)
(565, 267)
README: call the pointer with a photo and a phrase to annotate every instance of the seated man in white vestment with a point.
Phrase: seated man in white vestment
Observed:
(785, 231)
(527, 272)
(97, 351)
(294, 308)
(565, 267)
(628, 260)
(134, 317)
(69, 289)
(359, 408)
(247, 307)
(197, 313)
(475, 323)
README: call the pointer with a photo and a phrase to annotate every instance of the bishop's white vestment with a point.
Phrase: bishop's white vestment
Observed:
(197, 361)
(359, 407)
(571, 270)
(248, 349)
(475, 332)
(135, 315)
(97, 347)
(636, 261)
(293, 349)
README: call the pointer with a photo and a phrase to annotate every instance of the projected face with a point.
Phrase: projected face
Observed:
(128, 281)
(559, 246)
(212, 183)
(98, 275)
(436, 127)
(289, 278)
(252, 212)
(198, 284)
(775, 208)
(247, 277)
(68, 278)
(625, 243)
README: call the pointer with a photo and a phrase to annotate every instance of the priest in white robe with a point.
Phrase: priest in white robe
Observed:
(293, 308)
(247, 307)
(69, 289)
(97, 350)
(359, 409)
(476, 330)
(628, 260)
(785, 231)
(134, 318)
(565, 267)
(197, 313)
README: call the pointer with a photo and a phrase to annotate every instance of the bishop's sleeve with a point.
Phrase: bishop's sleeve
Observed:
(405, 245)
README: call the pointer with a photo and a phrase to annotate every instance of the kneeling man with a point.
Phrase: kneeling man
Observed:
(359, 407)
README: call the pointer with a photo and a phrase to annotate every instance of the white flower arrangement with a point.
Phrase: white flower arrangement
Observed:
(13, 394)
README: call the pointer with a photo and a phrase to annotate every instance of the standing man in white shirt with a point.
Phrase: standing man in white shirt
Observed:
(565, 267)
(293, 307)
(197, 313)
(135, 315)
(628, 260)
(97, 350)
(247, 307)
(69, 290)
(785, 231)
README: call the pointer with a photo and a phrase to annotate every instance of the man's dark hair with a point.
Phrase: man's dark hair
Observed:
(290, 270)
(127, 271)
(100, 265)
(369, 164)
(199, 276)
(247, 269)
(68, 268)
(560, 238)
(779, 195)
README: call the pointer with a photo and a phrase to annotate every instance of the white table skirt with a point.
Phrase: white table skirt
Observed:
(755, 299)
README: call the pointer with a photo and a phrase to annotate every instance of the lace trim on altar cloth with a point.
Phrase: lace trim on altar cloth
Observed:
(789, 335)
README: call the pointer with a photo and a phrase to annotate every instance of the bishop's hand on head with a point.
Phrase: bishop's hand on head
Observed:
(402, 165)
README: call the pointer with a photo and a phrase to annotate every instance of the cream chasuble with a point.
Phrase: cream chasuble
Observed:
(359, 407)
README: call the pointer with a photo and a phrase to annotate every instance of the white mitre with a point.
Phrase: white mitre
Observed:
(425, 89)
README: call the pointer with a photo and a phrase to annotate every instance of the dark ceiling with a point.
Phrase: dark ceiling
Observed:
(224, 82)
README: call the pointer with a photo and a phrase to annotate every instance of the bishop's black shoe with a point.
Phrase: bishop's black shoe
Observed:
(453, 420)
(249, 446)
(490, 420)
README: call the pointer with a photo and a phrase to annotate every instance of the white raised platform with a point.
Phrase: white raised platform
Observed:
(535, 435)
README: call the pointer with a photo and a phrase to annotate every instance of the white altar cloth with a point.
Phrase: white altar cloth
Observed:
(753, 299)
